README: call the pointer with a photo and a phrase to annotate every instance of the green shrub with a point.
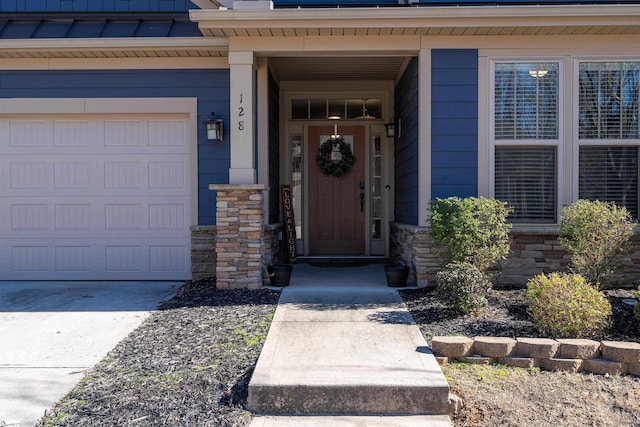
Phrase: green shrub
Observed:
(595, 234)
(473, 230)
(636, 308)
(463, 287)
(567, 306)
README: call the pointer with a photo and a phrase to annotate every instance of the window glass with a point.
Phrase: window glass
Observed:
(610, 173)
(526, 101)
(526, 139)
(609, 100)
(525, 178)
(609, 132)
(299, 109)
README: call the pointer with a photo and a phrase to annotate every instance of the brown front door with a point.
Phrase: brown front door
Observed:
(337, 204)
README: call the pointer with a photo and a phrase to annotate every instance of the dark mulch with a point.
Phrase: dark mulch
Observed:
(187, 365)
(507, 316)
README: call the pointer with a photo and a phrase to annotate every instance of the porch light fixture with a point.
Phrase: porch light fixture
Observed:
(390, 129)
(215, 129)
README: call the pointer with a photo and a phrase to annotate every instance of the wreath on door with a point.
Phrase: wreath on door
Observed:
(335, 157)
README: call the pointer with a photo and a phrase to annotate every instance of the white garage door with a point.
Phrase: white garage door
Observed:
(95, 197)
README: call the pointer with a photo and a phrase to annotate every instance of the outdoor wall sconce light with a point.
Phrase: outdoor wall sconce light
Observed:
(390, 129)
(215, 129)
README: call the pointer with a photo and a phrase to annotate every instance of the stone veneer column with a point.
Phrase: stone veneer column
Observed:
(240, 235)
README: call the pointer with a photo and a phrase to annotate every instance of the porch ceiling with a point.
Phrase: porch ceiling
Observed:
(422, 21)
(337, 68)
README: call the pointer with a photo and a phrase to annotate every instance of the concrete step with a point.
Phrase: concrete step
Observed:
(347, 351)
(352, 421)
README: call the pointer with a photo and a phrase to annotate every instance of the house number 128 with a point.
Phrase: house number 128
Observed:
(240, 114)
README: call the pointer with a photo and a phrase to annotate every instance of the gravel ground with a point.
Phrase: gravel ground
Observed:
(190, 362)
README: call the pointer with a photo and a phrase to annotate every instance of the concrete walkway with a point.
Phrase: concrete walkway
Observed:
(343, 350)
(51, 332)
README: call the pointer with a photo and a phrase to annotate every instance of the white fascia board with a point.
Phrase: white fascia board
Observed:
(421, 16)
(132, 43)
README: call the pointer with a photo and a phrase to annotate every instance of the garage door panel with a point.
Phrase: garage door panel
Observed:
(95, 198)
(73, 136)
(50, 217)
(111, 260)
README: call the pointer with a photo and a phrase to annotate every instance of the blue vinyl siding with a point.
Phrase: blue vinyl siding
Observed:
(211, 87)
(406, 147)
(96, 5)
(454, 123)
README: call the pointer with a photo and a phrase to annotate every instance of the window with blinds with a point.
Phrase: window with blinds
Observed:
(609, 100)
(526, 101)
(610, 173)
(526, 138)
(609, 132)
(525, 178)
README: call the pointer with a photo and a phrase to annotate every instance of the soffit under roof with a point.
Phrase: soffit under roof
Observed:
(422, 21)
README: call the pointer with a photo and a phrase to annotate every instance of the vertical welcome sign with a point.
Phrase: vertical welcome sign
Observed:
(289, 222)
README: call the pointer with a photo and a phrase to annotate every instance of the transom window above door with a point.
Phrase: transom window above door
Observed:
(335, 108)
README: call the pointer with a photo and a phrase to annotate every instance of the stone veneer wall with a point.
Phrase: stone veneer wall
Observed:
(532, 252)
(240, 242)
(203, 251)
(411, 245)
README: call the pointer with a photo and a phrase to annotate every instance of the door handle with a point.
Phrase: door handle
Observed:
(361, 202)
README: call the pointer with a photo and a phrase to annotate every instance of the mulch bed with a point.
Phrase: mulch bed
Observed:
(507, 316)
(190, 362)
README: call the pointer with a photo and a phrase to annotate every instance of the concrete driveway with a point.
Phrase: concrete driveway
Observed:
(52, 332)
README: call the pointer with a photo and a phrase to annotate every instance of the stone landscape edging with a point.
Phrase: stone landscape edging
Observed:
(568, 355)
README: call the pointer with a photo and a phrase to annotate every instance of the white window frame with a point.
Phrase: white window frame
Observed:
(576, 141)
(558, 143)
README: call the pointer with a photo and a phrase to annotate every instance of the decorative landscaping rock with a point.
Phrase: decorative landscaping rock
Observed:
(477, 360)
(627, 352)
(538, 348)
(451, 346)
(493, 346)
(519, 362)
(442, 360)
(565, 365)
(578, 349)
(602, 366)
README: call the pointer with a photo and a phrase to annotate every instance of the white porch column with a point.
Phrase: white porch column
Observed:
(424, 136)
(242, 169)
